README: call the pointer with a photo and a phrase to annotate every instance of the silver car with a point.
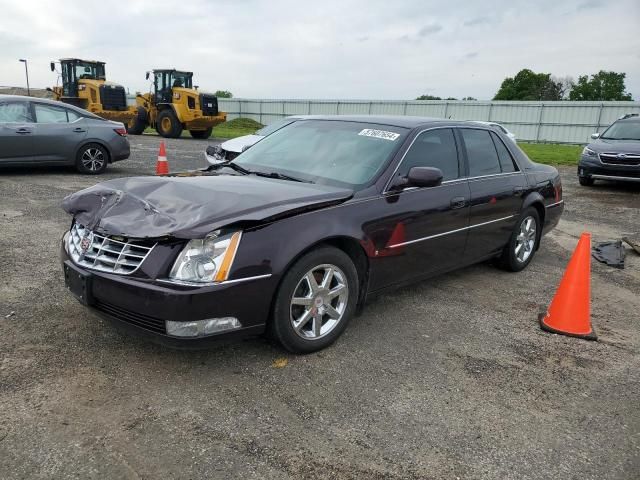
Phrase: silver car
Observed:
(36, 131)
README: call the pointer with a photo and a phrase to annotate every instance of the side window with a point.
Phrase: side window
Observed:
(506, 160)
(482, 155)
(433, 148)
(50, 114)
(15, 112)
(72, 116)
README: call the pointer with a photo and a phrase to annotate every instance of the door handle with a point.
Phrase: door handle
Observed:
(79, 130)
(23, 130)
(458, 202)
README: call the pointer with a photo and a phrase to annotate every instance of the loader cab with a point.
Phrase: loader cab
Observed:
(165, 80)
(74, 69)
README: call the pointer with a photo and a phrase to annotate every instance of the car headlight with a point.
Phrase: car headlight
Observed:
(587, 151)
(206, 260)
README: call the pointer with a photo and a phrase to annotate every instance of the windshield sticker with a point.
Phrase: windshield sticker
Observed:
(369, 132)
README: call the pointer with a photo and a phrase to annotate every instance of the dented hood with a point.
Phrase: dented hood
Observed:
(191, 207)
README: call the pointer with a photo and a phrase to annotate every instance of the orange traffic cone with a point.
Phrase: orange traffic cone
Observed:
(570, 309)
(162, 166)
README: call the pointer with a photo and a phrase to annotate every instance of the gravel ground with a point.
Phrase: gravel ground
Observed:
(450, 378)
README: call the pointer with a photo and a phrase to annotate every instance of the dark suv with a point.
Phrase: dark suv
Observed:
(614, 154)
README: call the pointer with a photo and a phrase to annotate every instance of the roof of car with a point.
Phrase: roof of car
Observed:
(25, 98)
(392, 120)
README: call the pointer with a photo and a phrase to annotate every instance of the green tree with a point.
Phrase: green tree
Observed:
(469, 99)
(428, 97)
(602, 86)
(223, 94)
(528, 85)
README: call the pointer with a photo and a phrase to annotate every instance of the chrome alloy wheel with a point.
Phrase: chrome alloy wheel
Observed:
(526, 239)
(93, 159)
(319, 301)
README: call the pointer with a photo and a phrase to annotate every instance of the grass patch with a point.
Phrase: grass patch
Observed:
(551, 154)
(236, 128)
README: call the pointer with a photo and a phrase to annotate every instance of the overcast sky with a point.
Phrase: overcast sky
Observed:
(367, 49)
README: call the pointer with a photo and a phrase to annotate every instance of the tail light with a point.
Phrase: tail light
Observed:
(121, 131)
(558, 191)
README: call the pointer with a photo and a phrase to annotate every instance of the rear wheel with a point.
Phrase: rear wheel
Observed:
(92, 159)
(523, 243)
(586, 181)
(316, 300)
(167, 124)
(138, 123)
(201, 133)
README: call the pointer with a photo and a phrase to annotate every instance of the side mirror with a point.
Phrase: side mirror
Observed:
(595, 136)
(48, 89)
(246, 147)
(53, 66)
(147, 76)
(419, 177)
(195, 86)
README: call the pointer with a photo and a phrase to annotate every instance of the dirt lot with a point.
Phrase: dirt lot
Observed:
(451, 378)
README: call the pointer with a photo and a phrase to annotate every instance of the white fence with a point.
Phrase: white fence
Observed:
(554, 122)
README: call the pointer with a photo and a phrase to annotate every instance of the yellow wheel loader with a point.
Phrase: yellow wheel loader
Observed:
(84, 85)
(174, 105)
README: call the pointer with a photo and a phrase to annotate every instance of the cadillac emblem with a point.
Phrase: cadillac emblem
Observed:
(85, 243)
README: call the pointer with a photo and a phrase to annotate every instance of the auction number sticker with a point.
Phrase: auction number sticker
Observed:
(369, 132)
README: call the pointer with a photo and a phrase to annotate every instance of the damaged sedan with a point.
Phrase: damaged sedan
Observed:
(292, 236)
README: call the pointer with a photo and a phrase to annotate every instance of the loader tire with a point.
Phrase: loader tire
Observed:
(167, 124)
(138, 123)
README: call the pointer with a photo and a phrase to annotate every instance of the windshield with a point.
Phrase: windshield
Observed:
(331, 152)
(181, 79)
(90, 71)
(623, 131)
(269, 129)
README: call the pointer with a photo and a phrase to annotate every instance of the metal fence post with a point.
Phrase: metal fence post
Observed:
(260, 110)
(239, 108)
(600, 117)
(370, 104)
(337, 108)
(283, 114)
(490, 109)
(309, 107)
(404, 112)
(446, 109)
(539, 122)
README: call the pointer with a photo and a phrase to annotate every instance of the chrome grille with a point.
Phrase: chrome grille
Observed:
(620, 159)
(105, 253)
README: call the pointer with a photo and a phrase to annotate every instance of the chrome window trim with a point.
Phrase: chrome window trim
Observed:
(209, 284)
(450, 232)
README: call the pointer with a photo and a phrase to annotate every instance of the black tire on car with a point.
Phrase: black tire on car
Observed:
(137, 125)
(92, 159)
(586, 181)
(306, 319)
(201, 134)
(167, 124)
(523, 243)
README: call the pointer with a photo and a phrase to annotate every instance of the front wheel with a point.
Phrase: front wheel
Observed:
(523, 243)
(200, 134)
(92, 159)
(316, 300)
(167, 124)
(586, 181)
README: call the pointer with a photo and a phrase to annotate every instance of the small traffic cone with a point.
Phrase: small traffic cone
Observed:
(570, 309)
(162, 166)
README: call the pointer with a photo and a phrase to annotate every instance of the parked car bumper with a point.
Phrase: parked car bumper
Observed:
(143, 306)
(592, 167)
(120, 149)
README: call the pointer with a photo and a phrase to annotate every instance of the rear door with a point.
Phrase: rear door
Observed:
(60, 131)
(497, 186)
(16, 131)
(422, 231)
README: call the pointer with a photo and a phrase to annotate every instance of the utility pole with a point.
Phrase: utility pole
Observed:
(26, 71)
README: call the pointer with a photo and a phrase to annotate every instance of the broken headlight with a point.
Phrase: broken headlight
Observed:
(206, 260)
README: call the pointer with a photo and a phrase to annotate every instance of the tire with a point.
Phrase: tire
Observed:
(295, 323)
(201, 134)
(586, 181)
(92, 159)
(139, 122)
(167, 124)
(526, 239)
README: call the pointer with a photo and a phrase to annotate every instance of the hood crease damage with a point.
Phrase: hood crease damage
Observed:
(192, 207)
